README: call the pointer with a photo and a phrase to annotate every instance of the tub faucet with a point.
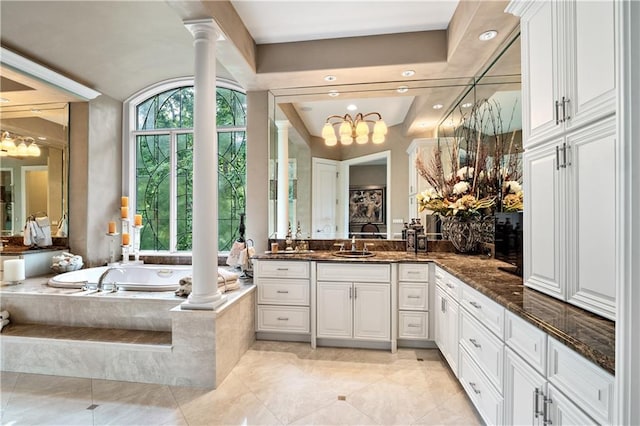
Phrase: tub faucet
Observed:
(103, 277)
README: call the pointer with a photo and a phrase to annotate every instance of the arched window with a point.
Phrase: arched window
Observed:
(159, 163)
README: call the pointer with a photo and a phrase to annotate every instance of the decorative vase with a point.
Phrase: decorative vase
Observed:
(464, 233)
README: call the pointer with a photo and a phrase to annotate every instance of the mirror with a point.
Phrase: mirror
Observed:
(325, 207)
(33, 179)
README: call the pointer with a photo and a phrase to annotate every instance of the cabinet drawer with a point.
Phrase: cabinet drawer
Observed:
(450, 284)
(375, 273)
(588, 385)
(283, 292)
(485, 310)
(291, 319)
(485, 398)
(526, 340)
(484, 347)
(282, 269)
(413, 325)
(413, 296)
(413, 272)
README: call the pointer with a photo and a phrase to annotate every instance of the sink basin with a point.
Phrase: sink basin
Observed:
(353, 254)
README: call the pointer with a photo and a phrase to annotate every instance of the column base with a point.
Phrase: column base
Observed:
(208, 306)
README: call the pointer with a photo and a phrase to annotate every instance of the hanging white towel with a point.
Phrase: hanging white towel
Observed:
(4, 315)
(44, 226)
(26, 240)
(3, 323)
(62, 227)
(234, 253)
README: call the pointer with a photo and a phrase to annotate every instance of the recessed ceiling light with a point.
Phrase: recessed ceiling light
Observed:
(36, 110)
(4, 100)
(352, 107)
(306, 108)
(402, 89)
(424, 124)
(333, 93)
(488, 35)
(438, 106)
(466, 104)
(330, 78)
(408, 73)
(42, 138)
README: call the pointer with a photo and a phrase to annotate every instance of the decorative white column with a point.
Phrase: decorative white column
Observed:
(283, 177)
(204, 293)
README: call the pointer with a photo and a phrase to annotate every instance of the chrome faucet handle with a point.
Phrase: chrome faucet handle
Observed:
(365, 246)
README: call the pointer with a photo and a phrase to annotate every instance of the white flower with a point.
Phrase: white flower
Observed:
(465, 173)
(512, 187)
(461, 188)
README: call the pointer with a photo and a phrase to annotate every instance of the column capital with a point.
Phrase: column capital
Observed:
(283, 124)
(204, 28)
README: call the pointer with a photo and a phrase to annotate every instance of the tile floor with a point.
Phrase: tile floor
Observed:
(275, 383)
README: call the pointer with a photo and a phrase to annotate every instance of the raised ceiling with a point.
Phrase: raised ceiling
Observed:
(121, 47)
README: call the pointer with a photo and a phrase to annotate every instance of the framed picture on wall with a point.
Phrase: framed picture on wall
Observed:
(366, 204)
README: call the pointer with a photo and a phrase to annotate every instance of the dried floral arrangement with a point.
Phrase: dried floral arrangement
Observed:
(477, 169)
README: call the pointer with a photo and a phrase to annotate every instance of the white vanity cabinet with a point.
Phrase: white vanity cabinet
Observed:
(568, 72)
(413, 301)
(446, 316)
(283, 302)
(353, 301)
(572, 150)
(569, 250)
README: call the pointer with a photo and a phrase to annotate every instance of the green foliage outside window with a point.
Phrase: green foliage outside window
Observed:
(170, 115)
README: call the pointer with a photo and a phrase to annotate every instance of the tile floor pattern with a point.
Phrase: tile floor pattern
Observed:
(275, 383)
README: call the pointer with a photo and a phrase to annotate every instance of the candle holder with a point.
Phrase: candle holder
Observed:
(137, 229)
(125, 253)
(112, 248)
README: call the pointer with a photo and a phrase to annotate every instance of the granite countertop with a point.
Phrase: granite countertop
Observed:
(14, 250)
(588, 334)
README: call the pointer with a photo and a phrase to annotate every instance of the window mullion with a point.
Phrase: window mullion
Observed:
(173, 194)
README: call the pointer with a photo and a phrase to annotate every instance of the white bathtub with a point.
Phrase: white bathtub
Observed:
(126, 277)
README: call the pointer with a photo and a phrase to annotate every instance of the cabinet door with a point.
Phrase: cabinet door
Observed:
(561, 411)
(334, 309)
(590, 77)
(540, 66)
(452, 334)
(440, 317)
(543, 221)
(372, 311)
(593, 217)
(524, 390)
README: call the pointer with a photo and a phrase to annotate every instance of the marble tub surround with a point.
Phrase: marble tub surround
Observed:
(588, 334)
(130, 336)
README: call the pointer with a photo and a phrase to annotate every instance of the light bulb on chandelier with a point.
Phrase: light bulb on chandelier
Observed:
(354, 128)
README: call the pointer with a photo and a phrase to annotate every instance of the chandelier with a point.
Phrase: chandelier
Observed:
(354, 128)
(9, 148)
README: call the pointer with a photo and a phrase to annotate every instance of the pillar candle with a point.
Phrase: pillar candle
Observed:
(125, 239)
(137, 220)
(124, 212)
(13, 270)
(112, 227)
(124, 201)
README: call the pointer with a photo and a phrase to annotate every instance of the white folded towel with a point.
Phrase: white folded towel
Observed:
(226, 276)
(4, 323)
(4, 315)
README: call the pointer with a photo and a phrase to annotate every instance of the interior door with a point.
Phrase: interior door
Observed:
(324, 198)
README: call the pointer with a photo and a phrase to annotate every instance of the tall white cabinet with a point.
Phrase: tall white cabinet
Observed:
(572, 151)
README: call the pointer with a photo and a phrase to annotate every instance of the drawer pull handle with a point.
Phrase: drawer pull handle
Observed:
(536, 403)
(282, 269)
(475, 343)
(413, 325)
(413, 297)
(283, 291)
(283, 319)
(475, 389)
(451, 285)
(475, 305)
(413, 272)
